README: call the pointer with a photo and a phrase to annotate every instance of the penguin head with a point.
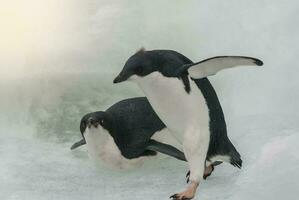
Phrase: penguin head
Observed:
(95, 120)
(143, 63)
(140, 64)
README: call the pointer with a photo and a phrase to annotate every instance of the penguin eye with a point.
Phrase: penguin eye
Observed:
(102, 122)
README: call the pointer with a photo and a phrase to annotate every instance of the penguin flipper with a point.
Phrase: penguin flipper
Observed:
(211, 66)
(166, 149)
(78, 144)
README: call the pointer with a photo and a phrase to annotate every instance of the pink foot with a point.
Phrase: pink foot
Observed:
(188, 194)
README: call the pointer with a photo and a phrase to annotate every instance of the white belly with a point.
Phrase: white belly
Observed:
(179, 110)
(101, 147)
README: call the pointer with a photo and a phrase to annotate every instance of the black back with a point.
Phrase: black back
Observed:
(133, 122)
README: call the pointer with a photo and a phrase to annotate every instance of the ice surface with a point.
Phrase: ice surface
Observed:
(67, 71)
(37, 169)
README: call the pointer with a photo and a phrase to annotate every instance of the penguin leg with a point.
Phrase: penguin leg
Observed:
(208, 171)
(167, 149)
(196, 143)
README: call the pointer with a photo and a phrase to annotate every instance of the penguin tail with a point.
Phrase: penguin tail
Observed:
(235, 159)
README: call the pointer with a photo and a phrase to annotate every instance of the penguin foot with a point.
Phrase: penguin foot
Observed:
(208, 171)
(188, 194)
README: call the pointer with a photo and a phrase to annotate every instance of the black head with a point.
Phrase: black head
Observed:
(140, 64)
(167, 62)
(94, 120)
(91, 120)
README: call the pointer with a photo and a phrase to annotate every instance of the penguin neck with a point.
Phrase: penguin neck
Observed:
(156, 83)
(99, 143)
(96, 138)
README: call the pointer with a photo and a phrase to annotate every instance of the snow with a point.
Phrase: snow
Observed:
(37, 169)
(47, 87)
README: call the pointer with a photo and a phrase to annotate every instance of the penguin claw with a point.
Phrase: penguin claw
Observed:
(177, 197)
(188, 176)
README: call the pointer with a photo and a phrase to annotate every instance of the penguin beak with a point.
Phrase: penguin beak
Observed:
(123, 76)
(118, 79)
(78, 144)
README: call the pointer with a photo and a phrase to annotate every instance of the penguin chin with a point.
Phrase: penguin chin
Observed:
(92, 130)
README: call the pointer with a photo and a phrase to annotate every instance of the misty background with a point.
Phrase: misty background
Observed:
(57, 63)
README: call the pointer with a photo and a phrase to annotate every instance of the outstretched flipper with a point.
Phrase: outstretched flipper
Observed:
(78, 144)
(166, 149)
(211, 66)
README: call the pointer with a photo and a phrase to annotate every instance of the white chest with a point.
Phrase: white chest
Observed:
(176, 108)
(101, 146)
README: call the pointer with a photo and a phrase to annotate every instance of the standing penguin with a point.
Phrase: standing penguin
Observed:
(186, 102)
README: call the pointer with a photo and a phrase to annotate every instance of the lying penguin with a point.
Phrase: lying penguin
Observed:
(130, 131)
(122, 136)
(186, 102)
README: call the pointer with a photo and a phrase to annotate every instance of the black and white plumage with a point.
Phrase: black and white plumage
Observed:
(136, 131)
(123, 135)
(186, 102)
